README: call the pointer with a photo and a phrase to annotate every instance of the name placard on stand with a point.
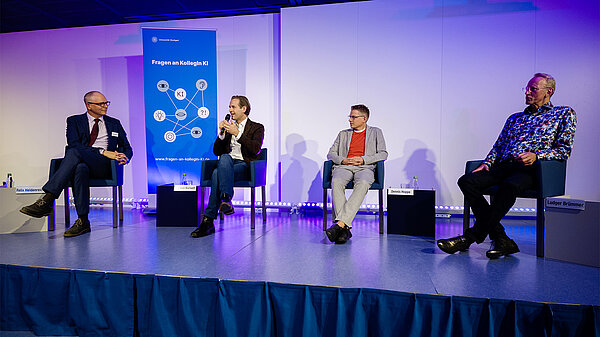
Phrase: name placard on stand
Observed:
(177, 206)
(11, 201)
(411, 212)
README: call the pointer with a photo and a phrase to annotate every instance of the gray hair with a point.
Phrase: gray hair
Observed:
(550, 81)
(89, 94)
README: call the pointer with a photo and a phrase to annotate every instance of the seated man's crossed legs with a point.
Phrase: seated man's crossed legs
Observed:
(344, 210)
(228, 171)
(511, 181)
(78, 166)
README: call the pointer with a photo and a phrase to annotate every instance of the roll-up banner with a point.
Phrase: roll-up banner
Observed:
(180, 95)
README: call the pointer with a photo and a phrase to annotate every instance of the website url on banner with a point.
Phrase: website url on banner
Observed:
(171, 159)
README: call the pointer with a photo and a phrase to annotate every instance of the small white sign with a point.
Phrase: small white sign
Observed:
(565, 203)
(400, 191)
(29, 190)
(184, 188)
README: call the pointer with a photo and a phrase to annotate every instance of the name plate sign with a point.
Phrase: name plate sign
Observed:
(184, 188)
(29, 190)
(400, 191)
(566, 203)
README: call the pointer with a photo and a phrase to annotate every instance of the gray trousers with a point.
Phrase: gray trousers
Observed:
(363, 176)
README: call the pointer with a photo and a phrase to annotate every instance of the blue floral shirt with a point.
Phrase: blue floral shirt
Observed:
(547, 131)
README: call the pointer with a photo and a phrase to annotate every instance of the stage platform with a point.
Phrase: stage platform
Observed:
(292, 252)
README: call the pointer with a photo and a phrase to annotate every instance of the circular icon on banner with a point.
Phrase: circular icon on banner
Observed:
(201, 85)
(170, 136)
(203, 112)
(162, 86)
(154, 39)
(159, 115)
(196, 132)
(180, 114)
(180, 94)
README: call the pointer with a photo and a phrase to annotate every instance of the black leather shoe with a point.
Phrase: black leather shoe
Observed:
(344, 236)
(501, 247)
(333, 232)
(79, 227)
(38, 209)
(206, 228)
(226, 208)
(455, 244)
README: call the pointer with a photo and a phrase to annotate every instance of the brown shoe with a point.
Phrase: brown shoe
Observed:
(38, 209)
(206, 228)
(79, 227)
(226, 208)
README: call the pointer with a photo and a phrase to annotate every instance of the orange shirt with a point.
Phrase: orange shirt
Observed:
(357, 144)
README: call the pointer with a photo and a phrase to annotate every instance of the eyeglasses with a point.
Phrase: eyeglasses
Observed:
(107, 103)
(354, 117)
(533, 89)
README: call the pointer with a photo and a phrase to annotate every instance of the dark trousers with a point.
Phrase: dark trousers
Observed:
(76, 168)
(228, 171)
(512, 178)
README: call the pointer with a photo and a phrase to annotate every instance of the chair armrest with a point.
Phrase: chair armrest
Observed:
(379, 173)
(472, 164)
(551, 176)
(327, 168)
(258, 172)
(206, 170)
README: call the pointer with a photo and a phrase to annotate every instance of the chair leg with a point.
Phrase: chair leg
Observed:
(114, 206)
(120, 190)
(539, 228)
(252, 207)
(466, 216)
(52, 218)
(67, 213)
(201, 203)
(380, 211)
(264, 204)
(324, 209)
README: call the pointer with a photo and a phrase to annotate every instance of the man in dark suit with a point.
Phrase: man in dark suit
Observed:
(239, 142)
(93, 139)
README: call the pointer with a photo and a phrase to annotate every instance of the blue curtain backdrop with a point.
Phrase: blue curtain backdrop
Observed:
(88, 303)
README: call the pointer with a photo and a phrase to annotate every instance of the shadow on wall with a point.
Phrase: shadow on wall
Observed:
(419, 161)
(297, 171)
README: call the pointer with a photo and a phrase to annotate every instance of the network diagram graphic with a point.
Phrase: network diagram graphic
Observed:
(179, 117)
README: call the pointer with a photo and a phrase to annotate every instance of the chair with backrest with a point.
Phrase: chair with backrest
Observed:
(115, 180)
(258, 178)
(550, 175)
(377, 185)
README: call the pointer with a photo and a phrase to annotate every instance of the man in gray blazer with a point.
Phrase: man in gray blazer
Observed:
(354, 154)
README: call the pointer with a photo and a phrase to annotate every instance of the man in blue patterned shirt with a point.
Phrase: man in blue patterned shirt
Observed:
(541, 132)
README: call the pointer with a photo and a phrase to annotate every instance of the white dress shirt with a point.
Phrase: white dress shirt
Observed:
(102, 139)
(236, 148)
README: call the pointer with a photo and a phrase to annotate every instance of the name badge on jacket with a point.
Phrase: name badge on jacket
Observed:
(115, 134)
